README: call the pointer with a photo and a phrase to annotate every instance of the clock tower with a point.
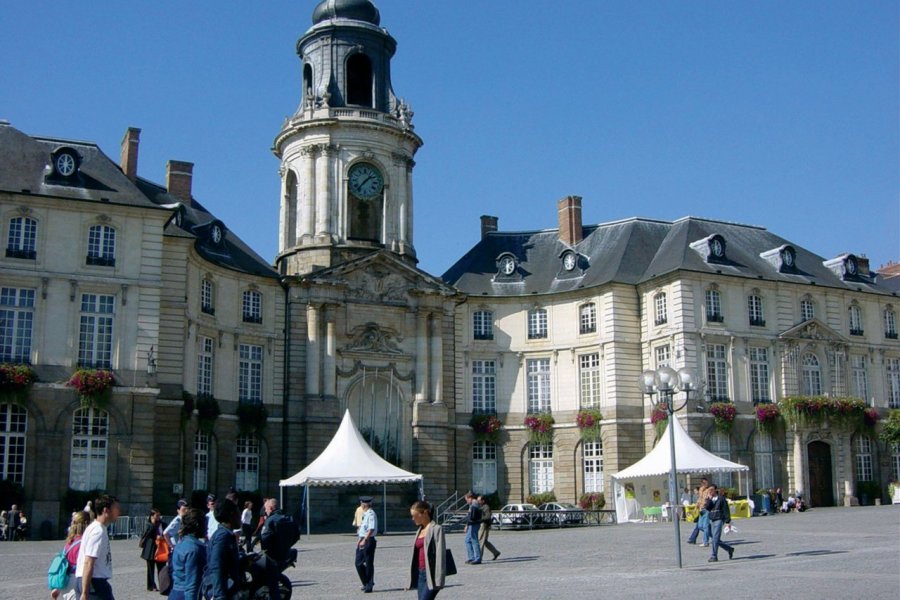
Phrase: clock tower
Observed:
(347, 152)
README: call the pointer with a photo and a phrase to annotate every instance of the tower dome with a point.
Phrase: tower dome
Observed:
(357, 10)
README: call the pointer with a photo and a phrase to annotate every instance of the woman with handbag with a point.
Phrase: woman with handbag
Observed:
(428, 567)
(154, 548)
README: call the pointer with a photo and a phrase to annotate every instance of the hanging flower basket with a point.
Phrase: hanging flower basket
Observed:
(592, 501)
(588, 422)
(659, 418)
(870, 418)
(486, 427)
(815, 411)
(207, 412)
(724, 414)
(94, 386)
(767, 417)
(252, 417)
(15, 382)
(540, 428)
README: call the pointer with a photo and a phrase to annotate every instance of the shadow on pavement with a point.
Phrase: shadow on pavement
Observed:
(816, 553)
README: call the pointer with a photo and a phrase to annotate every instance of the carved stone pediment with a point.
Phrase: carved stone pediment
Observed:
(813, 329)
(378, 284)
(373, 338)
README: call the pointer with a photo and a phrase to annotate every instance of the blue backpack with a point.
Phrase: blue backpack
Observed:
(58, 573)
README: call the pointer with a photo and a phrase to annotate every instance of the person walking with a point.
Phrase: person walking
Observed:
(80, 521)
(473, 524)
(223, 558)
(366, 544)
(719, 514)
(94, 568)
(485, 530)
(247, 526)
(189, 557)
(702, 523)
(427, 570)
(12, 525)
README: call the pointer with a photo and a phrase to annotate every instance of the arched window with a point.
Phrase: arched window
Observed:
(484, 467)
(714, 306)
(252, 306)
(101, 246)
(863, 459)
(755, 310)
(807, 309)
(207, 297)
(890, 323)
(811, 383)
(308, 91)
(537, 323)
(661, 309)
(720, 445)
(856, 321)
(763, 461)
(540, 468)
(90, 440)
(592, 460)
(22, 239)
(13, 427)
(359, 80)
(290, 215)
(246, 468)
(587, 318)
(201, 461)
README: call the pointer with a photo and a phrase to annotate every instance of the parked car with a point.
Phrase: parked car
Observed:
(561, 513)
(517, 515)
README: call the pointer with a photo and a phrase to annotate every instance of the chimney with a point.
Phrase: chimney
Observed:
(178, 179)
(570, 220)
(129, 158)
(488, 225)
(863, 263)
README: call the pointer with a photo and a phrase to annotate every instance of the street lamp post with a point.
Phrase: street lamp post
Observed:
(664, 382)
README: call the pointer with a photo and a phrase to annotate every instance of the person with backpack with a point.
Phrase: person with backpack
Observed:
(279, 534)
(65, 582)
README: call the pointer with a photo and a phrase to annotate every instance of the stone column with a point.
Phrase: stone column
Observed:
(312, 350)
(799, 464)
(437, 359)
(324, 190)
(330, 372)
(422, 374)
(398, 215)
(306, 220)
(408, 232)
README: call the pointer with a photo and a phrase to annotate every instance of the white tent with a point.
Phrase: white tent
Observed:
(348, 460)
(648, 478)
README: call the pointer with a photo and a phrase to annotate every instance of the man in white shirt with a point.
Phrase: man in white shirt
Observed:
(94, 567)
(211, 523)
(172, 529)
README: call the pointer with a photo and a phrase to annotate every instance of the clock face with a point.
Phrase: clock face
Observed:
(366, 181)
(507, 265)
(716, 246)
(65, 164)
(569, 261)
(216, 234)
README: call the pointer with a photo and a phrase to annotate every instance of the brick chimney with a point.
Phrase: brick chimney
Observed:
(863, 263)
(179, 175)
(128, 160)
(488, 225)
(570, 231)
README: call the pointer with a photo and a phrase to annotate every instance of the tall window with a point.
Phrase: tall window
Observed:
(661, 313)
(763, 461)
(483, 325)
(589, 378)
(717, 373)
(863, 458)
(359, 80)
(856, 327)
(587, 318)
(537, 324)
(250, 374)
(593, 466)
(540, 468)
(201, 461)
(205, 359)
(811, 383)
(101, 246)
(246, 467)
(755, 310)
(16, 321)
(484, 393)
(662, 355)
(22, 239)
(858, 376)
(895, 462)
(207, 297)
(893, 382)
(484, 468)
(13, 426)
(890, 324)
(96, 331)
(90, 439)
(252, 307)
(807, 309)
(714, 306)
(759, 375)
(538, 370)
(720, 445)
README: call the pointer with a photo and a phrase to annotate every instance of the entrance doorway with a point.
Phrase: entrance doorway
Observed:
(821, 486)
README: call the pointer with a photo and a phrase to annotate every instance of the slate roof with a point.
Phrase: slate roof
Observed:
(634, 251)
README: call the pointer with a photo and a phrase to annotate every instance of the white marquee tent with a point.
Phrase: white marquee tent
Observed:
(348, 460)
(649, 477)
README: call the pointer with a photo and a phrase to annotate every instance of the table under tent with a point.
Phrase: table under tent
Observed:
(646, 482)
(349, 460)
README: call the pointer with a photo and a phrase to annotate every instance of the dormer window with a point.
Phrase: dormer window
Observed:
(783, 258)
(506, 265)
(712, 248)
(845, 266)
(65, 163)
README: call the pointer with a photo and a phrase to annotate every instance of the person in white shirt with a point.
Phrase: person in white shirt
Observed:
(172, 529)
(94, 567)
(247, 526)
(211, 523)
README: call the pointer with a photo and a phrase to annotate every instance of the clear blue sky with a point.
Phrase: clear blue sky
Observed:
(779, 114)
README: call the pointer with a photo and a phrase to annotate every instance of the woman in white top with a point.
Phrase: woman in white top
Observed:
(247, 526)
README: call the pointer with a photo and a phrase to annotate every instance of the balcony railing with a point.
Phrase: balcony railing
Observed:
(715, 318)
(252, 319)
(20, 253)
(891, 335)
(856, 331)
(101, 261)
(757, 322)
(206, 308)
